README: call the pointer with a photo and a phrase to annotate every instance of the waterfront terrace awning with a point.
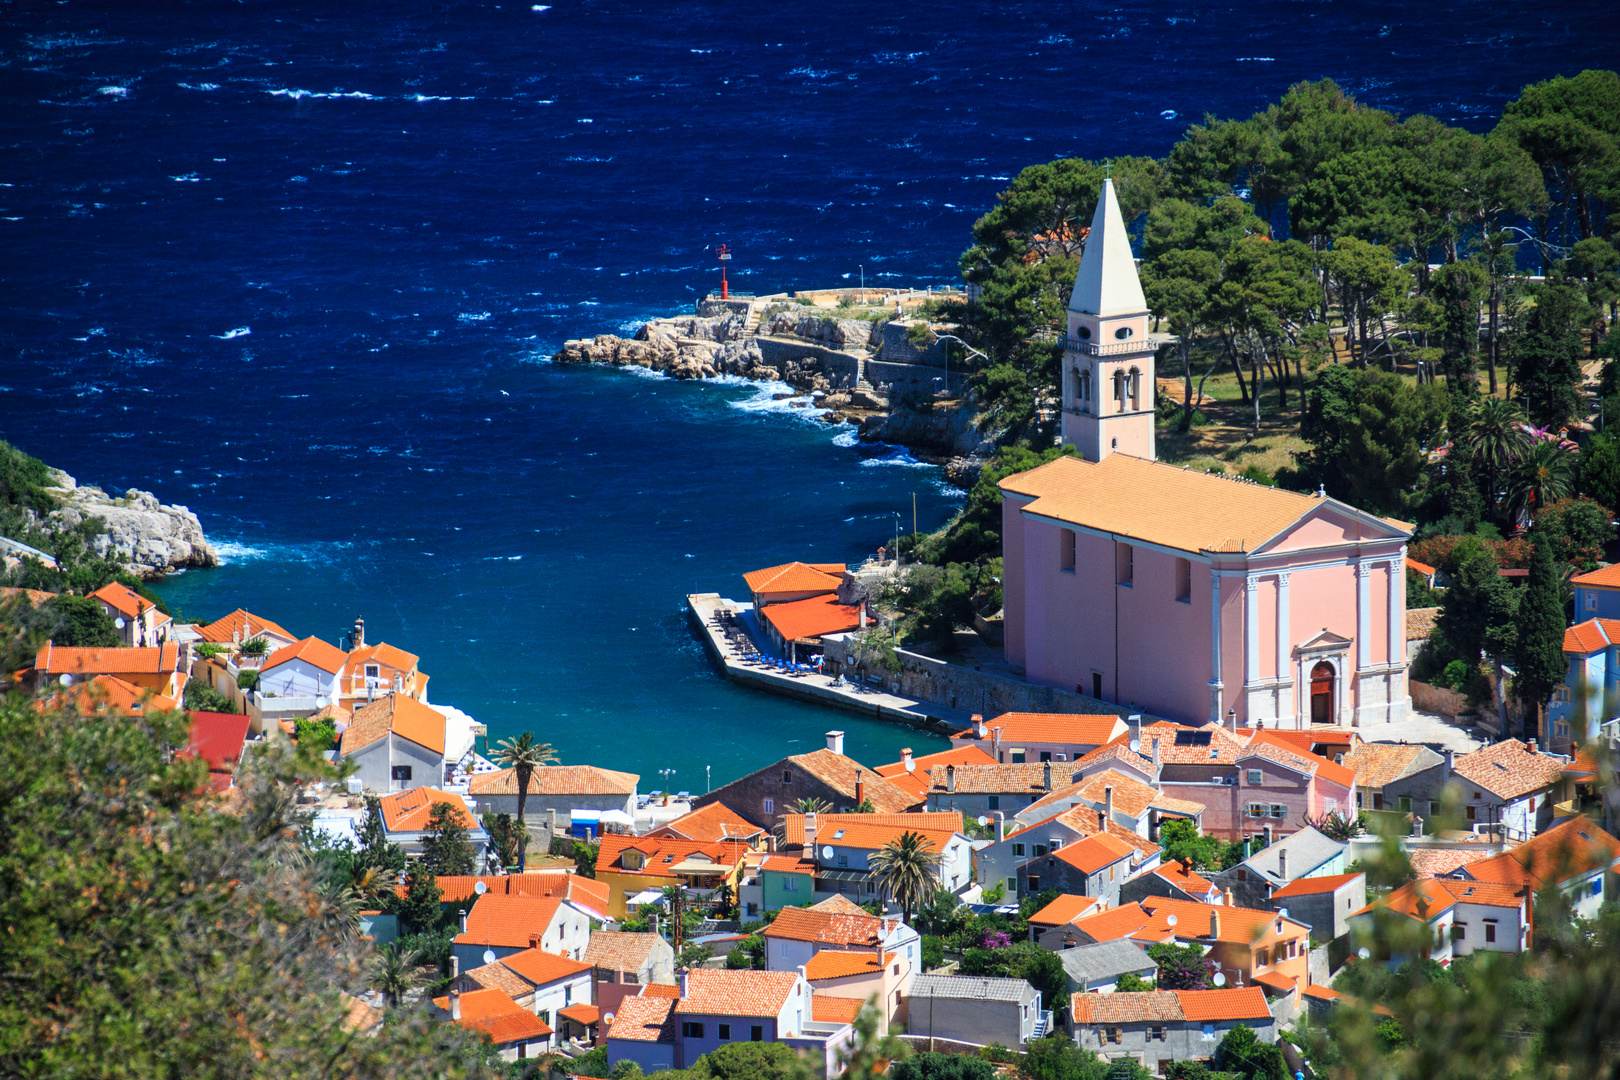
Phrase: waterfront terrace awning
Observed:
(845, 877)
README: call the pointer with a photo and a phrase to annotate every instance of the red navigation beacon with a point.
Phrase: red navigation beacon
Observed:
(723, 252)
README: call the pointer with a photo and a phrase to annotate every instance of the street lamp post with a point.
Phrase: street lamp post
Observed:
(707, 784)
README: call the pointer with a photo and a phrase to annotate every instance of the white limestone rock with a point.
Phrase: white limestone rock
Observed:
(150, 537)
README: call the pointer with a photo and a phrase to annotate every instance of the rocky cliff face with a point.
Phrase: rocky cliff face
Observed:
(151, 538)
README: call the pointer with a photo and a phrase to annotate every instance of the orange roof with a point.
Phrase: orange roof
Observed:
(1165, 504)
(840, 773)
(108, 692)
(1071, 729)
(1119, 750)
(1568, 850)
(581, 1013)
(1238, 925)
(404, 716)
(1179, 745)
(1378, 764)
(736, 993)
(243, 625)
(586, 892)
(826, 928)
(717, 821)
(498, 976)
(384, 655)
(620, 950)
(644, 1019)
(788, 864)
(1438, 862)
(835, 1010)
(508, 921)
(59, 660)
(855, 834)
(1127, 920)
(839, 904)
(312, 650)
(409, 811)
(1094, 852)
(1087, 821)
(126, 601)
(915, 782)
(663, 853)
(1182, 876)
(498, 1016)
(1423, 568)
(1322, 991)
(1509, 770)
(1583, 765)
(1593, 635)
(1236, 1003)
(1262, 745)
(1311, 886)
(1131, 1007)
(660, 990)
(929, 821)
(812, 618)
(795, 577)
(840, 964)
(1603, 577)
(1064, 910)
(540, 967)
(556, 780)
(1430, 897)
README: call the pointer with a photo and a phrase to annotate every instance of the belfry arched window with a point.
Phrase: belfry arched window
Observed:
(1084, 394)
(1135, 386)
(1119, 388)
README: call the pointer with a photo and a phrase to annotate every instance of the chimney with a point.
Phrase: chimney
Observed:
(359, 633)
(1530, 746)
(1451, 761)
(1282, 863)
(860, 788)
(534, 941)
(995, 743)
(463, 920)
(1001, 826)
(652, 922)
(1228, 898)
(1156, 757)
(835, 742)
(1231, 720)
(1134, 722)
(978, 726)
(863, 616)
(810, 832)
(905, 759)
(1214, 923)
(1046, 776)
(1108, 805)
(1417, 827)
(455, 988)
(683, 979)
(950, 778)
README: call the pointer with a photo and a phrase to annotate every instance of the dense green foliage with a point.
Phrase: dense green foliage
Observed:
(1182, 967)
(932, 1066)
(81, 621)
(201, 697)
(1025, 960)
(446, 848)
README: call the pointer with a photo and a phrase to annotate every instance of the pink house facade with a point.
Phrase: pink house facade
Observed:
(1186, 594)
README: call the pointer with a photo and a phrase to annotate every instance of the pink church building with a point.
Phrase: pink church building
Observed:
(1189, 595)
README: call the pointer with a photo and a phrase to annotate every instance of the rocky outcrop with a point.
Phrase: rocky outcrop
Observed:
(940, 429)
(839, 333)
(150, 537)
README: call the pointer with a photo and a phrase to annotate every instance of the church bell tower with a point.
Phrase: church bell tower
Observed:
(1107, 357)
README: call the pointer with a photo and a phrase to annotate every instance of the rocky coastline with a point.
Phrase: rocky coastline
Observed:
(840, 367)
(148, 536)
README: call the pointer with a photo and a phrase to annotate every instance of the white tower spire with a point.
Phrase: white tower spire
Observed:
(1107, 283)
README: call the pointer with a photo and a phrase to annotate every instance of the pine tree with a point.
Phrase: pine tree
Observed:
(445, 848)
(1540, 652)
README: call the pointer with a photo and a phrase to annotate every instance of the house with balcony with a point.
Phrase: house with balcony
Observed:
(543, 983)
(372, 672)
(631, 865)
(842, 851)
(1575, 856)
(1124, 799)
(1158, 1027)
(503, 926)
(301, 679)
(241, 627)
(1020, 738)
(873, 952)
(137, 619)
(160, 670)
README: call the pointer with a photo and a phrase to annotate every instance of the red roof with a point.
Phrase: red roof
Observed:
(1423, 568)
(812, 618)
(1311, 886)
(218, 738)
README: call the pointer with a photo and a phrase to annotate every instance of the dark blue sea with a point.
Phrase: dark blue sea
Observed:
(300, 267)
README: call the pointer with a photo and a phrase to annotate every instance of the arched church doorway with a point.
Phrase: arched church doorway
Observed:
(1322, 693)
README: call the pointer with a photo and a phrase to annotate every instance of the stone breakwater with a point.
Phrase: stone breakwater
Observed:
(840, 364)
(152, 539)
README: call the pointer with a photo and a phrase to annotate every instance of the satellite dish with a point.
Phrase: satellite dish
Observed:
(609, 1018)
(1219, 979)
(66, 679)
(1282, 912)
(480, 888)
(1136, 746)
(826, 853)
(119, 622)
(983, 821)
(1171, 920)
(1364, 953)
(489, 956)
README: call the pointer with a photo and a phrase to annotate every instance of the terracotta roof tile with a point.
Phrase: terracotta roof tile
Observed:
(644, 1019)
(1423, 568)
(813, 617)
(582, 1013)
(1139, 1007)
(218, 738)
(556, 780)
(1420, 623)
(857, 834)
(835, 1010)
(1073, 729)
(1094, 852)
(1236, 1003)
(796, 577)
(663, 854)
(408, 811)
(1022, 779)
(1312, 886)
(508, 921)
(1568, 850)
(736, 993)
(404, 716)
(1603, 577)
(915, 782)
(498, 976)
(311, 650)
(660, 990)
(843, 964)
(244, 623)
(838, 772)
(585, 892)
(717, 821)
(1064, 910)
(1593, 635)
(1165, 504)
(1120, 922)
(1237, 925)
(1427, 898)
(619, 950)
(826, 927)
(151, 660)
(1509, 770)
(540, 967)
(106, 693)
(127, 602)
(1302, 761)
(1208, 745)
(1378, 764)
(839, 905)
(498, 1016)
(920, 821)
(1183, 877)
(1088, 821)
(1119, 750)
(788, 864)
(1439, 862)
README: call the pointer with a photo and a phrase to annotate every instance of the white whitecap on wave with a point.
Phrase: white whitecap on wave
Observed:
(472, 316)
(1169, 114)
(847, 439)
(240, 331)
(198, 86)
(114, 91)
(897, 455)
(297, 94)
(234, 551)
(188, 178)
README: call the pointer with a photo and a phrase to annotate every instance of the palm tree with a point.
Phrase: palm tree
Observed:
(908, 869)
(1494, 440)
(1543, 475)
(394, 974)
(523, 755)
(810, 805)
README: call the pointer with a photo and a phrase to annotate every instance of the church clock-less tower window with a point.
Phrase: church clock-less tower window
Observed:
(1108, 346)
